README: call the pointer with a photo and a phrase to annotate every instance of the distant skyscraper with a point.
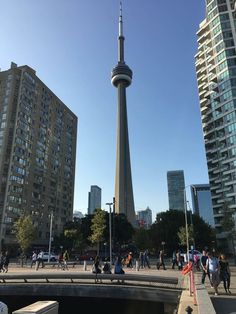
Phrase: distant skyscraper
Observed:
(202, 204)
(37, 155)
(145, 218)
(77, 214)
(121, 78)
(94, 199)
(176, 186)
(216, 78)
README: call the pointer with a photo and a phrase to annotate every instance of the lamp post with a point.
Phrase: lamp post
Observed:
(50, 237)
(109, 204)
(186, 218)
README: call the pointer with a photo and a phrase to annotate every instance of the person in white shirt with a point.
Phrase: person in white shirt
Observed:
(212, 265)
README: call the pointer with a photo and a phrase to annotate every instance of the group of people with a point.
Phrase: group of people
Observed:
(106, 268)
(217, 269)
(37, 260)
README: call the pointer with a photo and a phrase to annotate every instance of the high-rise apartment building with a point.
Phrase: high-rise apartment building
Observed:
(216, 78)
(37, 155)
(202, 204)
(176, 189)
(94, 199)
(145, 218)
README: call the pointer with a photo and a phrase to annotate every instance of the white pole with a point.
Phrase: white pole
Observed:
(110, 234)
(186, 224)
(110, 231)
(50, 237)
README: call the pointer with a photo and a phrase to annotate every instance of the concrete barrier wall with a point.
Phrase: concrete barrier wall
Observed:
(42, 307)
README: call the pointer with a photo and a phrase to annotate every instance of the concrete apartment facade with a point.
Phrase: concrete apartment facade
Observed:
(216, 78)
(37, 155)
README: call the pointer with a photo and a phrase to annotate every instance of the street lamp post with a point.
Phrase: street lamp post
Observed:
(109, 204)
(50, 237)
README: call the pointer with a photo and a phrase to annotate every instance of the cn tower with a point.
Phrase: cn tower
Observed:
(121, 78)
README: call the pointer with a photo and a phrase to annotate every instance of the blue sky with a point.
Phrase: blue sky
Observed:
(72, 45)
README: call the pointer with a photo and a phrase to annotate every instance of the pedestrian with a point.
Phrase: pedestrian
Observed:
(225, 272)
(196, 261)
(146, 259)
(39, 260)
(118, 266)
(65, 260)
(174, 260)
(33, 259)
(205, 270)
(6, 261)
(60, 262)
(130, 260)
(141, 259)
(96, 265)
(1, 261)
(106, 267)
(161, 260)
(180, 260)
(212, 264)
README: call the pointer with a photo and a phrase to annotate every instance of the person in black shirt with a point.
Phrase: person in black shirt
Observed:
(224, 272)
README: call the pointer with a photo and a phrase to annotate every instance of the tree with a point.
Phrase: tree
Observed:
(228, 225)
(98, 226)
(168, 224)
(142, 239)
(25, 232)
(182, 235)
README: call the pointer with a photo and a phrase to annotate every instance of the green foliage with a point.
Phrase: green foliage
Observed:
(98, 226)
(142, 239)
(182, 235)
(25, 232)
(123, 230)
(169, 227)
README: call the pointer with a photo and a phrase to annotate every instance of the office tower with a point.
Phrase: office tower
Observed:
(94, 199)
(176, 189)
(121, 78)
(145, 218)
(216, 78)
(202, 204)
(37, 155)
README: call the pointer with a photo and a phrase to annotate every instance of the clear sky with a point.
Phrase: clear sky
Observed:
(72, 45)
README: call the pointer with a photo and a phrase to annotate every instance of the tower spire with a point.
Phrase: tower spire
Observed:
(121, 38)
(120, 21)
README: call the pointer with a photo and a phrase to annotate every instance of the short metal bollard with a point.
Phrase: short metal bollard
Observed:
(136, 266)
(189, 310)
(85, 265)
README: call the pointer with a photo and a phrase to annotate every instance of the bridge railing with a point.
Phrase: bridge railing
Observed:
(170, 282)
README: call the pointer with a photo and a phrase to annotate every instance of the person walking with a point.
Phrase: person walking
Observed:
(205, 271)
(146, 259)
(106, 267)
(174, 260)
(6, 261)
(212, 264)
(65, 260)
(161, 260)
(33, 259)
(225, 273)
(39, 260)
